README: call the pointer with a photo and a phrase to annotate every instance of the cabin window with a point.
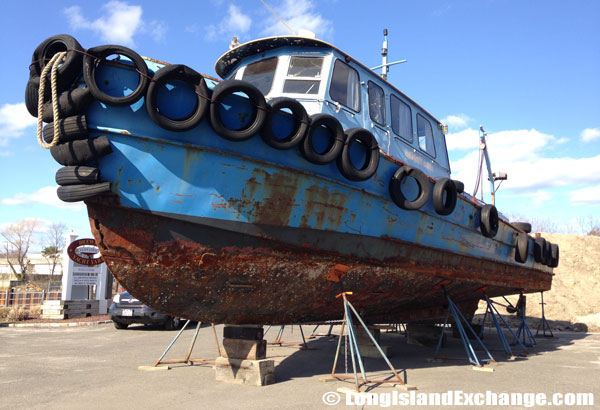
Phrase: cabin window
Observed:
(401, 118)
(425, 134)
(345, 87)
(376, 103)
(261, 73)
(304, 75)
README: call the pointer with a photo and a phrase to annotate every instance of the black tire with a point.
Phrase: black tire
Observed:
(300, 119)
(524, 226)
(444, 206)
(460, 186)
(345, 165)
(554, 255)
(74, 193)
(172, 323)
(71, 103)
(539, 249)
(119, 325)
(257, 100)
(80, 151)
(396, 190)
(489, 221)
(99, 54)
(71, 128)
(77, 175)
(547, 254)
(521, 247)
(31, 95)
(337, 139)
(182, 73)
(70, 69)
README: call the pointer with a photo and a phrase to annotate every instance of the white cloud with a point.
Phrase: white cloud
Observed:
(590, 134)
(522, 154)
(14, 119)
(46, 196)
(586, 196)
(457, 122)
(235, 23)
(299, 15)
(463, 140)
(119, 23)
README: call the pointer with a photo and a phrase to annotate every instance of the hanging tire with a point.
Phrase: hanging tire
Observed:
(344, 163)
(489, 221)
(554, 255)
(71, 103)
(257, 100)
(93, 59)
(77, 175)
(524, 226)
(396, 190)
(31, 95)
(81, 151)
(547, 253)
(539, 249)
(71, 128)
(444, 204)
(189, 76)
(300, 123)
(68, 71)
(336, 133)
(521, 247)
(74, 193)
(460, 186)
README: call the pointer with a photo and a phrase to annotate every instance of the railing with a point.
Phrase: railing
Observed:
(26, 299)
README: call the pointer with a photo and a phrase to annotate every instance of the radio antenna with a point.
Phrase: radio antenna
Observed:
(277, 16)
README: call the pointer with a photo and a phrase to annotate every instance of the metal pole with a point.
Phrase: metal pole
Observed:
(171, 344)
(337, 352)
(216, 338)
(189, 353)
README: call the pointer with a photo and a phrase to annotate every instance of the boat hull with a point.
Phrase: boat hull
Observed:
(234, 272)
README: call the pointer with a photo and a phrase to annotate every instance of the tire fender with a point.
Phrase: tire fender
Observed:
(257, 100)
(336, 133)
(444, 206)
(344, 163)
(396, 190)
(94, 58)
(489, 221)
(554, 255)
(521, 247)
(300, 123)
(539, 247)
(191, 77)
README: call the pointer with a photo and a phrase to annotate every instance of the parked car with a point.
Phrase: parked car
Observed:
(126, 310)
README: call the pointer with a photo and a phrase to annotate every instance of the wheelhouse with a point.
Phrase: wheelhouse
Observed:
(326, 80)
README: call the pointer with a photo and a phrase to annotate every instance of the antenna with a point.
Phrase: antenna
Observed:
(277, 16)
(385, 66)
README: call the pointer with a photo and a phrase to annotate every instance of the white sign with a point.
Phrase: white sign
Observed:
(77, 268)
(81, 280)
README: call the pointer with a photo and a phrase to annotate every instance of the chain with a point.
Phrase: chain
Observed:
(346, 352)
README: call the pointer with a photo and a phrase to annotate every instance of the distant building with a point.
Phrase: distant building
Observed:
(41, 266)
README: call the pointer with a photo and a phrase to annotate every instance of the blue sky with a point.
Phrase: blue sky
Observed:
(528, 71)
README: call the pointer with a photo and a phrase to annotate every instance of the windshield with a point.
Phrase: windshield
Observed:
(261, 73)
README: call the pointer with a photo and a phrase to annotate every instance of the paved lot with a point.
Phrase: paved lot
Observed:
(96, 368)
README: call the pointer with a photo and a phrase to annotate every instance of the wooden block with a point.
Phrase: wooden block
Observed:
(243, 332)
(250, 372)
(407, 387)
(363, 338)
(245, 349)
(153, 368)
(372, 352)
(52, 316)
(484, 369)
(328, 379)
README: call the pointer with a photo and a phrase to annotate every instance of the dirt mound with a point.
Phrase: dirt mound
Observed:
(574, 300)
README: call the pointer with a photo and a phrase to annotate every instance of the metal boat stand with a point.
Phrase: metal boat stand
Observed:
(458, 320)
(187, 358)
(543, 323)
(523, 335)
(495, 314)
(351, 340)
(280, 342)
(313, 334)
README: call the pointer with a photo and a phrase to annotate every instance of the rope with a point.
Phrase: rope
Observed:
(52, 65)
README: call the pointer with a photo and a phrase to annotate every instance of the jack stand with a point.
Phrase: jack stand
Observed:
(527, 338)
(280, 342)
(494, 314)
(189, 353)
(313, 334)
(355, 352)
(544, 323)
(458, 318)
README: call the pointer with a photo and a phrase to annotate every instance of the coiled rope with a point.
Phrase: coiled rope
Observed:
(52, 65)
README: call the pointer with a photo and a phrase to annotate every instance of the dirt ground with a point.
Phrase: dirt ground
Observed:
(573, 303)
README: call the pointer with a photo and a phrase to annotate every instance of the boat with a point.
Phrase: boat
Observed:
(260, 197)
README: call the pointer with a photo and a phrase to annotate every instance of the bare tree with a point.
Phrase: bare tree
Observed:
(53, 244)
(19, 236)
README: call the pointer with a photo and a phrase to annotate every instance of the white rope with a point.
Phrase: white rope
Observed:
(53, 65)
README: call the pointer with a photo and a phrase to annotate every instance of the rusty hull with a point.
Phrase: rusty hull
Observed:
(222, 273)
